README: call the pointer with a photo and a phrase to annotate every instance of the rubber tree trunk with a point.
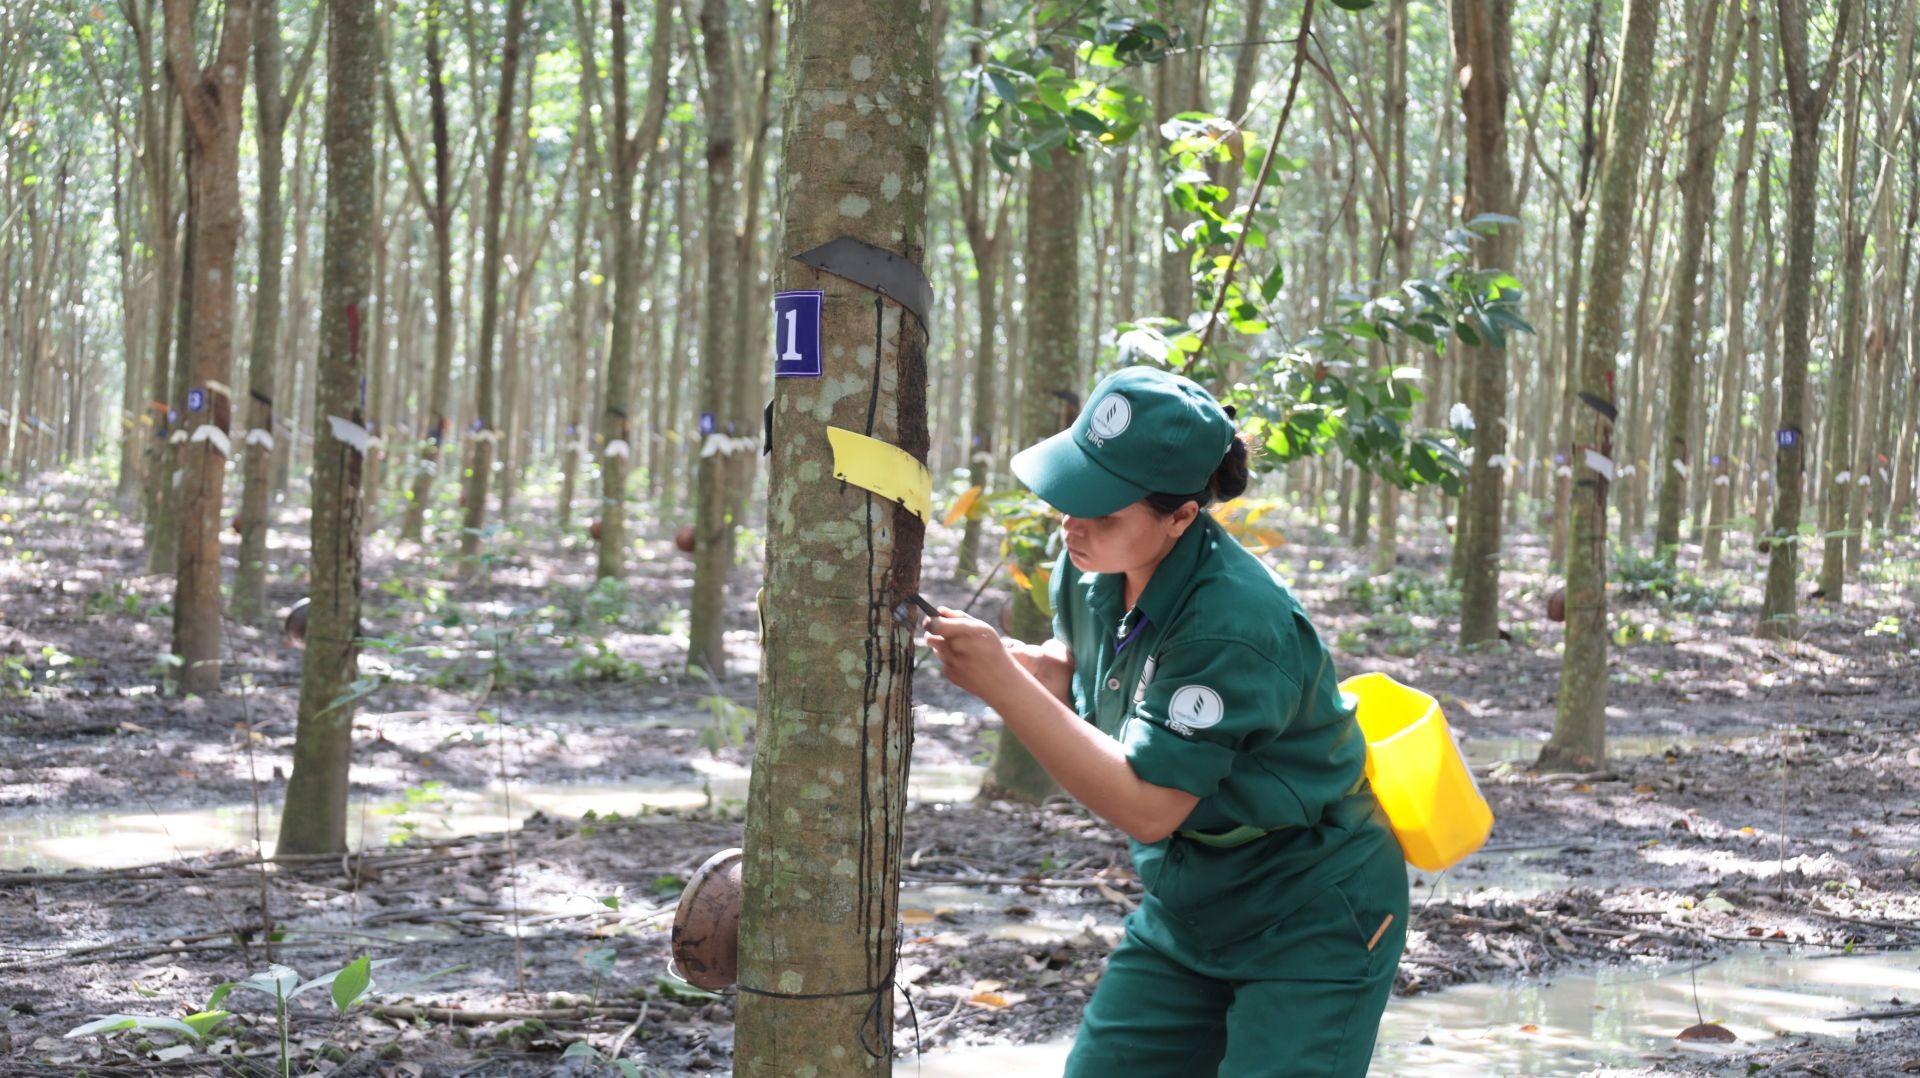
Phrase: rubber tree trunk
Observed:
(212, 107)
(828, 795)
(1836, 484)
(626, 151)
(315, 817)
(249, 577)
(1734, 354)
(1806, 105)
(1579, 727)
(480, 474)
(437, 426)
(1707, 103)
(1050, 386)
(1483, 37)
(714, 519)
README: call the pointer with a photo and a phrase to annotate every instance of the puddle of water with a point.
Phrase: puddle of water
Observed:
(1515, 873)
(1623, 1017)
(1524, 750)
(120, 838)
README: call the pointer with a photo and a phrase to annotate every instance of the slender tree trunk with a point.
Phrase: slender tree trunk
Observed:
(714, 522)
(270, 113)
(479, 478)
(1806, 105)
(437, 427)
(315, 817)
(1734, 352)
(818, 932)
(212, 107)
(1579, 729)
(1482, 42)
(1708, 99)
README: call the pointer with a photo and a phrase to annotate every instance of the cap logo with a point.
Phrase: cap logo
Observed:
(1194, 707)
(1109, 420)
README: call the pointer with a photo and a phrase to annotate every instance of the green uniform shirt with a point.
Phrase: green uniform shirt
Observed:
(1216, 683)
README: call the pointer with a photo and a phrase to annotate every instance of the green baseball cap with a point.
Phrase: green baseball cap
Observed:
(1144, 431)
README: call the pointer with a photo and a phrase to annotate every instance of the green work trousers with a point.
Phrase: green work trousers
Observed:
(1303, 997)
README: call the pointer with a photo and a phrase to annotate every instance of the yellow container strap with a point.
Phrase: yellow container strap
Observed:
(886, 470)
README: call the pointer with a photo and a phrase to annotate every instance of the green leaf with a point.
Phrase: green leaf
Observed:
(207, 1021)
(1003, 87)
(114, 1023)
(351, 983)
(582, 1050)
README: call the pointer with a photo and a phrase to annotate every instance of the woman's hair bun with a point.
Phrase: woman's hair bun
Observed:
(1230, 479)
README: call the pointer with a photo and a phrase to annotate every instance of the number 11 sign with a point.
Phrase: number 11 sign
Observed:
(796, 334)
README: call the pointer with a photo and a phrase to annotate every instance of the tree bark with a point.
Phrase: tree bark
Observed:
(315, 817)
(1483, 36)
(270, 113)
(480, 474)
(211, 103)
(1707, 104)
(1806, 105)
(714, 520)
(1734, 353)
(818, 934)
(437, 427)
(1579, 729)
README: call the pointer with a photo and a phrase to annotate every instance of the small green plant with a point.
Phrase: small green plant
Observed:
(603, 664)
(348, 985)
(1655, 578)
(405, 825)
(1405, 592)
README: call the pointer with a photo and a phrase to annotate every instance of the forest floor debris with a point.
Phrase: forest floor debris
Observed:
(1764, 799)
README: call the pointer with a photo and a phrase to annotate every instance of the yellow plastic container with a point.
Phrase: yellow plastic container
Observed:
(1418, 774)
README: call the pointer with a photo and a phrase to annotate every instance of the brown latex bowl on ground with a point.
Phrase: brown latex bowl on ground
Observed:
(706, 927)
(684, 538)
(294, 635)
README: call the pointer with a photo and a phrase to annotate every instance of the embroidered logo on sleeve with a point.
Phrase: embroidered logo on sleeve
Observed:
(1194, 707)
(1110, 419)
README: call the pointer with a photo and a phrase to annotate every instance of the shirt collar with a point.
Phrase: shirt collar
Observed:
(1159, 600)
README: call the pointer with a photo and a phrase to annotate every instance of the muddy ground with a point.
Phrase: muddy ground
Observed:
(1763, 797)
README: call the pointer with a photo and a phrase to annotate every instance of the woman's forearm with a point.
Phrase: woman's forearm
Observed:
(1087, 763)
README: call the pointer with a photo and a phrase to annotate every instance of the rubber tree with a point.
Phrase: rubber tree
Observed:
(628, 149)
(1580, 720)
(714, 517)
(828, 793)
(315, 816)
(1738, 263)
(1806, 106)
(1706, 104)
(273, 105)
(210, 99)
(480, 470)
(439, 204)
(1482, 42)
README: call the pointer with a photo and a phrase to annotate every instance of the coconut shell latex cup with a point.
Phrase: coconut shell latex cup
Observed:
(706, 926)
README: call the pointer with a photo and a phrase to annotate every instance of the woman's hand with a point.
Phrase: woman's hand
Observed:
(1050, 663)
(972, 654)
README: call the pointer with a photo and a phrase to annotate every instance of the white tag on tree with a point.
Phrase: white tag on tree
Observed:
(1599, 462)
(261, 437)
(619, 448)
(346, 430)
(215, 437)
(1681, 467)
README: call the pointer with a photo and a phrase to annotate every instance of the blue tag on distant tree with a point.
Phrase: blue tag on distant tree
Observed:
(196, 400)
(796, 334)
(1788, 437)
(706, 423)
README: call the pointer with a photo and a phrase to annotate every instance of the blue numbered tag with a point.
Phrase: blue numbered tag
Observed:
(1788, 437)
(196, 400)
(707, 425)
(796, 334)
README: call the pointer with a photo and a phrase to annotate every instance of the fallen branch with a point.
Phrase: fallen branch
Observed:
(1008, 881)
(478, 1017)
